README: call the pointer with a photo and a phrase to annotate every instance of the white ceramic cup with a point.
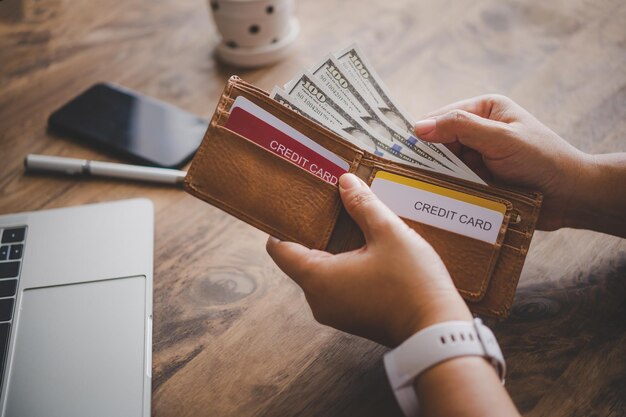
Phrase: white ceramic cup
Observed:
(254, 32)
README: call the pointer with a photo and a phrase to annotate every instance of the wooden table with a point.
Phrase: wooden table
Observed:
(233, 336)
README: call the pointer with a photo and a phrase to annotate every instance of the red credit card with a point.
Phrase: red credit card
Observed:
(286, 146)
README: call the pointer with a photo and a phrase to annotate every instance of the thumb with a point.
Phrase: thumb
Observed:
(478, 133)
(373, 217)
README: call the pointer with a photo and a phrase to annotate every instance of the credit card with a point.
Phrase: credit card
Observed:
(268, 131)
(447, 209)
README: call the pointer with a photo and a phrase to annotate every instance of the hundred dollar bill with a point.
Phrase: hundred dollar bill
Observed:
(342, 124)
(354, 135)
(316, 101)
(376, 130)
(367, 81)
(331, 76)
(350, 133)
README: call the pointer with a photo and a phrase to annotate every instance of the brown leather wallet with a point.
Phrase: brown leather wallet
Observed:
(290, 203)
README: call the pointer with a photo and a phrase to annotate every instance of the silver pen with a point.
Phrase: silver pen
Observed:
(75, 166)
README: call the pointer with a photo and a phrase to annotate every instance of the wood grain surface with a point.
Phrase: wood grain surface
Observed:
(233, 336)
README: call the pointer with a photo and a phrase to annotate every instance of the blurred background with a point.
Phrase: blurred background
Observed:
(563, 60)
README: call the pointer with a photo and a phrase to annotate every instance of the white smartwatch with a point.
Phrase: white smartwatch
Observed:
(433, 345)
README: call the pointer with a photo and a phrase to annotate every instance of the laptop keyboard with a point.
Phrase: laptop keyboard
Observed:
(11, 250)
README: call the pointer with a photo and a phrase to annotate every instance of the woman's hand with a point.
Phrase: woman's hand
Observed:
(502, 142)
(387, 290)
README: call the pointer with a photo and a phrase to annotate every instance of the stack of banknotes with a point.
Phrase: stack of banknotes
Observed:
(344, 93)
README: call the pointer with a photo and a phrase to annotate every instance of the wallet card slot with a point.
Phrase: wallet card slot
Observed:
(313, 130)
(447, 190)
(468, 248)
(222, 115)
(469, 261)
(263, 189)
(283, 160)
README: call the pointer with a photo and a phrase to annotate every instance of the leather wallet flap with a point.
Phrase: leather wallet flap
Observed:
(257, 186)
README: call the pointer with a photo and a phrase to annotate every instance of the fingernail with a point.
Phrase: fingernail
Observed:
(273, 239)
(347, 181)
(424, 127)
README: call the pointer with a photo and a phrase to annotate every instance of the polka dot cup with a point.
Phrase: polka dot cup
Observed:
(251, 23)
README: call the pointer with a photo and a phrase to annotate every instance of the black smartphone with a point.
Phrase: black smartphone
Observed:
(138, 127)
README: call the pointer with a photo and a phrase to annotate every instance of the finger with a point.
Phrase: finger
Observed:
(479, 105)
(295, 260)
(488, 106)
(478, 133)
(373, 217)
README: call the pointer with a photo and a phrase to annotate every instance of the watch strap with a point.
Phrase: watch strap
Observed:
(433, 345)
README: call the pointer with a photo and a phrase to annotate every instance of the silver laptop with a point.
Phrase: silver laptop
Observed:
(76, 311)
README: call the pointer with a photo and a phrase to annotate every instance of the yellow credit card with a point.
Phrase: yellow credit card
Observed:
(441, 207)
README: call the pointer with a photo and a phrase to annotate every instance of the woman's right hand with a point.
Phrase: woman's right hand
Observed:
(504, 143)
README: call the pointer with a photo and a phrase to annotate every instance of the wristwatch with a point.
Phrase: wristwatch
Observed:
(435, 344)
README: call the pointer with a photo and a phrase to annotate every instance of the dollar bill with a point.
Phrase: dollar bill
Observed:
(356, 136)
(337, 121)
(317, 102)
(350, 133)
(367, 81)
(333, 77)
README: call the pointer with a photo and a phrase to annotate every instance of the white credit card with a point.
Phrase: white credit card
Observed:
(446, 209)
